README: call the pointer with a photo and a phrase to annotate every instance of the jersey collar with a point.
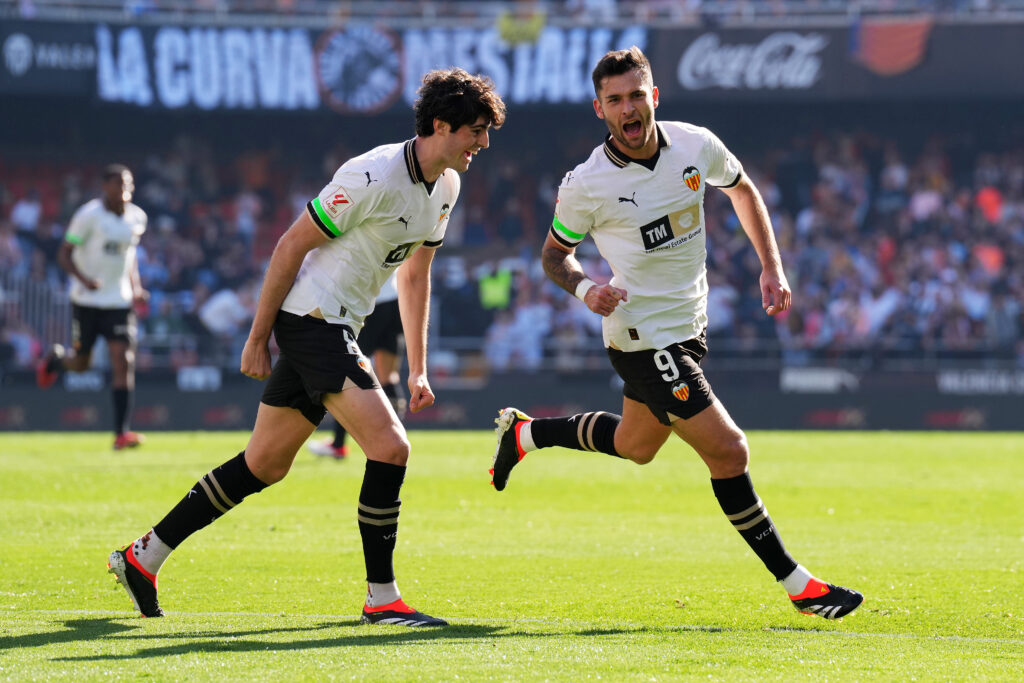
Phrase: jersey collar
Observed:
(621, 160)
(412, 162)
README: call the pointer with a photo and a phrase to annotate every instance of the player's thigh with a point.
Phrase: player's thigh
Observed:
(276, 438)
(368, 417)
(640, 435)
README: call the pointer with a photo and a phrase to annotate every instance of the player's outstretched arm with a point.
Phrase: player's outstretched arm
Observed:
(776, 295)
(564, 269)
(302, 237)
(413, 283)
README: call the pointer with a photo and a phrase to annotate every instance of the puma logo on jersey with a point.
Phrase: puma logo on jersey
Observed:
(631, 200)
(369, 179)
(404, 221)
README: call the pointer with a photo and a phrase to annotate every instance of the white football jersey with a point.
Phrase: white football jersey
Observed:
(104, 249)
(649, 227)
(377, 211)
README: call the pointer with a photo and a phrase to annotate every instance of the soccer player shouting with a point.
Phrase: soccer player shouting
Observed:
(386, 209)
(640, 196)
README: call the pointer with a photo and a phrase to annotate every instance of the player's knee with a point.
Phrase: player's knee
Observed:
(271, 472)
(734, 454)
(641, 455)
(394, 451)
(77, 363)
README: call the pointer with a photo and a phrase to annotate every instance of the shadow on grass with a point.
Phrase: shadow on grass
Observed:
(111, 629)
(77, 629)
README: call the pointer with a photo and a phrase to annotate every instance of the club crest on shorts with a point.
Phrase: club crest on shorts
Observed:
(691, 176)
(681, 391)
(364, 363)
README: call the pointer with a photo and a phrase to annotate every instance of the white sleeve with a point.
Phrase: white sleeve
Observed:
(80, 226)
(345, 202)
(574, 212)
(724, 169)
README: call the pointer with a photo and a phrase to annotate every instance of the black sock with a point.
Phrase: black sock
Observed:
(748, 514)
(122, 409)
(339, 435)
(378, 518)
(217, 492)
(586, 432)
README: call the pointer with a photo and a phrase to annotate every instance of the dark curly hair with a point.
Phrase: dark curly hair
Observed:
(458, 99)
(620, 62)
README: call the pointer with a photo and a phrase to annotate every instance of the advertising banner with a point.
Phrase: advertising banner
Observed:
(363, 69)
(356, 69)
(869, 60)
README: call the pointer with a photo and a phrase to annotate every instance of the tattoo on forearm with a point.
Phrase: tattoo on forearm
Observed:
(563, 268)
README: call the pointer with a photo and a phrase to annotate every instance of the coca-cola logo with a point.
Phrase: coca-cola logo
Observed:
(781, 60)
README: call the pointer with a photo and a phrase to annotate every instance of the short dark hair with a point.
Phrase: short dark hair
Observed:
(114, 171)
(457, 98)
(620, 62)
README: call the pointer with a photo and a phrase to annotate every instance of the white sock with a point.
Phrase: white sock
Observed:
(797, 580)
(526, 437)
(378, 594)
(151, 552)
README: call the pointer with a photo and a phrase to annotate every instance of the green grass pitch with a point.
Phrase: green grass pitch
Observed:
(586, 567)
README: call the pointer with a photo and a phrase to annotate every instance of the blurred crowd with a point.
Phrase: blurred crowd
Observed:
(892, 252)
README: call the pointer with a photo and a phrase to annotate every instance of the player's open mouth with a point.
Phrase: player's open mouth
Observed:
(632, 129)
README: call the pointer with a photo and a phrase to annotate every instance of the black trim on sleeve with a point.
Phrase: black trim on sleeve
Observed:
(561, 240)
(319, 223)
(734, 183)
(433, 245)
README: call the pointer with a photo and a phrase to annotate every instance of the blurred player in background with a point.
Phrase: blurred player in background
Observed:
(384, 210)
(640, 195)
(381, 338)
(98, 254)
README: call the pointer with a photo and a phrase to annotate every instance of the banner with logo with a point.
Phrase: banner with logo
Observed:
(357, 69)
(365, 69)
(871, 59)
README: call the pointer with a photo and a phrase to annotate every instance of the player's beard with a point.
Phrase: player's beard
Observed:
(647, 127)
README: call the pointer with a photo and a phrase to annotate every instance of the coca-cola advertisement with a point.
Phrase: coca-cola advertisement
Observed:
(363, 71)
(895, 59)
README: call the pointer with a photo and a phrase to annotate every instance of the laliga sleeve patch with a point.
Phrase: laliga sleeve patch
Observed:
(337, 202)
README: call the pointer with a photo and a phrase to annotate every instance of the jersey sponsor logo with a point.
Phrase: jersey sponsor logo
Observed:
(629, 200)
(691, 176)
(687, 218)
(112, 248)
(398, 254)
(656, 233)
(338, 203)
(681, 391)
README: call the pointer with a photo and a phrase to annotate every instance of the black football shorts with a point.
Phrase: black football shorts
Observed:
(317, 358)
(669, 381)
(88, 323)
